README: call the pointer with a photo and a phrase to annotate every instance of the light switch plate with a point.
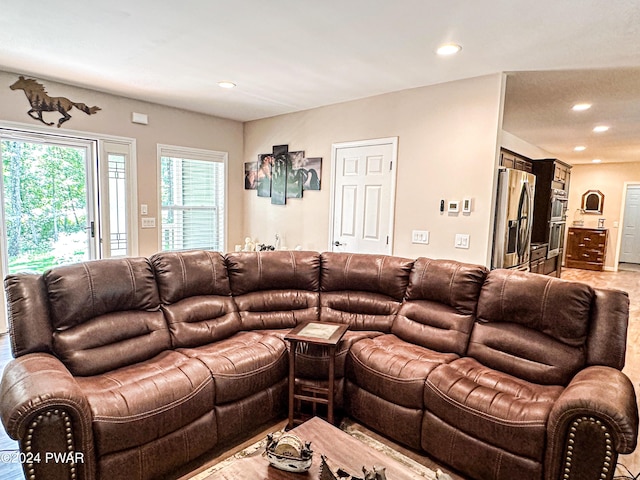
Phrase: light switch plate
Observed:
(420, 236)
(149, 222)
(462, 240)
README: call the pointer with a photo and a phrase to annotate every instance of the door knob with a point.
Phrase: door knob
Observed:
(338, 244)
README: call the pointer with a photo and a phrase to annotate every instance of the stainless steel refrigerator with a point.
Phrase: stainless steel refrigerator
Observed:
(514, 217)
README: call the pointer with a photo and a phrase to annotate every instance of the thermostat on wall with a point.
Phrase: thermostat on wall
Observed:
(453, 206)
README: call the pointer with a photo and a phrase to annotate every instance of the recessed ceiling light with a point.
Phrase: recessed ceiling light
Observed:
(600, 128)
(580, 107)
(448, 49)
(596, 160)
(226, 84)
(579, 148)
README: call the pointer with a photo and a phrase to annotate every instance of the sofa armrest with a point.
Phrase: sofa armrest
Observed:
(45, 410)
(595, 419)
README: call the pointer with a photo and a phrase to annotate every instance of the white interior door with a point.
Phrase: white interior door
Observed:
(630, 248)
(363, 194)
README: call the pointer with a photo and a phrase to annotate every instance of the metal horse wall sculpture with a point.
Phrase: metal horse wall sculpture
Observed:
(41, 102)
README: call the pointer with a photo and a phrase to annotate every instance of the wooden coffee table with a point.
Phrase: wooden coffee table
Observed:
(339, 447)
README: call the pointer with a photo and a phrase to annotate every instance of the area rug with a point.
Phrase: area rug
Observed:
(346, 426)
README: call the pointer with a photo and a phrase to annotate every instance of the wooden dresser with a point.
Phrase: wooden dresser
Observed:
(586, 248)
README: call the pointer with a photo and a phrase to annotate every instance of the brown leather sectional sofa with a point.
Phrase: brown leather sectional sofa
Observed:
(137, 366)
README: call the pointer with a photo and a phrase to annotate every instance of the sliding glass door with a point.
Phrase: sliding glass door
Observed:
(49, 199)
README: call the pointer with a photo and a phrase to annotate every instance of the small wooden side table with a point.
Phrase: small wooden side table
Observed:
(316, 333)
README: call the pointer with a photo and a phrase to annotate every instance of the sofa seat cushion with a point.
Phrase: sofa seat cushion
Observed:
(497, 408)
(243, 364)
(312, 361)
(393, 369)
(399, 423)
(143, 402)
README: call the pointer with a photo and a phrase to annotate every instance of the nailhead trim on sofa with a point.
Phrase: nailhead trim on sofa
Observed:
(573, 431)
(69, 436)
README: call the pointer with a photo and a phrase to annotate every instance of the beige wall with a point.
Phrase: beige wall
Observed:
(447, 150)
(166, 125)
(610, 179)
(447, 144)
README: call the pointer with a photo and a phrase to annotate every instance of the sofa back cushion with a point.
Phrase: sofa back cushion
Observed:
(275, 289)
(532, 326)
(440, 305)
(196, 297)
(361, 290)
(105, 314)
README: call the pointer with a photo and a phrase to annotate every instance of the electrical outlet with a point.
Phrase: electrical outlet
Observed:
(462, 240)
(144, 209)
(420, 236)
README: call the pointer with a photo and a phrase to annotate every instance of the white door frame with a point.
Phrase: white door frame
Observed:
(392, 207)
(621, 222)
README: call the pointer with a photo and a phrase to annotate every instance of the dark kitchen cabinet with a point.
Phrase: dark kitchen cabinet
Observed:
(510, 159)
(561, 173)
(538, 258)
(551, 175)
(549, 211)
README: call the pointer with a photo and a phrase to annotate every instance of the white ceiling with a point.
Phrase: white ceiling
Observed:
(291, 55)
(538, 107)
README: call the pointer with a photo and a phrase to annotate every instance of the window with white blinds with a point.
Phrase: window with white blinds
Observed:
(193, 198)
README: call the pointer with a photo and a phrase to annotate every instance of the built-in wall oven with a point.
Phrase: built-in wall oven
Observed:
(556, 238)
(559, 200)
(557, 221)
